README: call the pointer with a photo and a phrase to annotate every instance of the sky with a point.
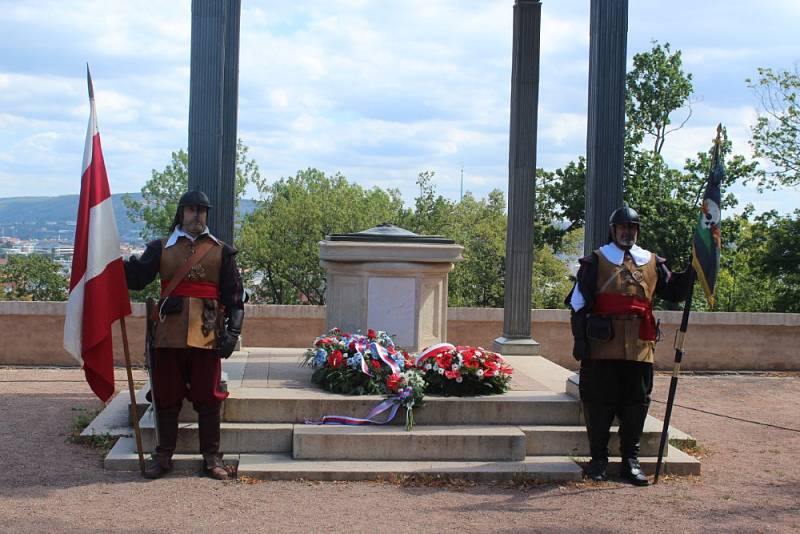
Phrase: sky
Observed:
(379, 91)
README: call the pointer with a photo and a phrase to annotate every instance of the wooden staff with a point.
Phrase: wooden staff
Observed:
(134, 412)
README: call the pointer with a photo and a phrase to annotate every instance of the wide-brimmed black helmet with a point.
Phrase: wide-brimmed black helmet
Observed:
(623, 215)
(194, 198)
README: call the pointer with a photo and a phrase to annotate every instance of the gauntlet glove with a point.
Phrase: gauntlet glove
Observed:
(230, 336)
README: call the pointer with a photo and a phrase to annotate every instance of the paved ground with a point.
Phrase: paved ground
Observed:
(750, 482)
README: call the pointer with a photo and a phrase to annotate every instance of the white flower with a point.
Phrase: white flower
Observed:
(428, 367)
(459, 379)
(479, 373)
(478, 353)
(454, 367)
(441, 371)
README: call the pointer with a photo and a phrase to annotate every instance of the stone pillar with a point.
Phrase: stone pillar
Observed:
(213, 102)
(605, 136)
(516, 338)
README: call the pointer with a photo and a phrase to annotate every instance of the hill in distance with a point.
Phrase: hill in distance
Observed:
(53, 218)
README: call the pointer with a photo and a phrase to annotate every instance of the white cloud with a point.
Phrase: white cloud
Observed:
(379, 91)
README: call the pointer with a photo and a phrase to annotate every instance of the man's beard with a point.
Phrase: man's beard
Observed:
(193, 227)
(626, 244)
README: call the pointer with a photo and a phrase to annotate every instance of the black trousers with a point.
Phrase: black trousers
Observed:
(619, 388)
(616, 382)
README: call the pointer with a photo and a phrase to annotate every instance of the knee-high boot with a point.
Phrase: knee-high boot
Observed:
(598, 418)
(208, 422)
(632, 418)
(161, 462)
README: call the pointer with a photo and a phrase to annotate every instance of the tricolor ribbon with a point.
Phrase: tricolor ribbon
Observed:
(433, 351)
(383, 354)
(392, 404)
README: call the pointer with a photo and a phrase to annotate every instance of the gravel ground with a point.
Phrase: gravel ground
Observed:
(750, 481)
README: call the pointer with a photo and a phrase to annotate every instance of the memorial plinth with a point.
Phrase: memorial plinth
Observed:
(387, 278)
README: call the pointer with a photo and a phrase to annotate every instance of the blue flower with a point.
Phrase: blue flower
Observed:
(355, 360)
(319, 357)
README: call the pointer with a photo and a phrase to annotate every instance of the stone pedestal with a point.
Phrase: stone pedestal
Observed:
(390, 279)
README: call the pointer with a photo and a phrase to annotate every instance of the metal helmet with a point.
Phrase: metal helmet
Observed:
(194, 198)
(623, 215)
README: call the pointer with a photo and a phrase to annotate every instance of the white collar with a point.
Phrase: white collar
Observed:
(615, 255)
(178, 232)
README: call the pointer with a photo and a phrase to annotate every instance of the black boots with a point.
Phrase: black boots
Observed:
(598, 418)
(630, 433)
(208, 422)
(161, 461)
(631, 471)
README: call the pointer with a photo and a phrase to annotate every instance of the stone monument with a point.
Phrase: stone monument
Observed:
(387, 278)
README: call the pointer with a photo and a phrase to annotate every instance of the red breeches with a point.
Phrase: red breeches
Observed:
(193, 374)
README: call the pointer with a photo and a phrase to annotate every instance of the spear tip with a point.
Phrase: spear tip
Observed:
(89, 82)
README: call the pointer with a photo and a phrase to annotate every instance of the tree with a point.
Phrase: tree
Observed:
(560, 203)
(431, 215)
(480, 227)
(740, 286)
(162, 191)
(32, 277)
(778, 240)
(279, 241)
(776, 133)
(656, 88)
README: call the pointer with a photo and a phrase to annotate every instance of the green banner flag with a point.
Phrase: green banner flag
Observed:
(706, 243)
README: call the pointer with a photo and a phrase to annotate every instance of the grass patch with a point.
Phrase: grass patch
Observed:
(102, 442)
(690, 447)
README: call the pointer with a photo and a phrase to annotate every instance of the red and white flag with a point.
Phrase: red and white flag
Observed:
(98, 293)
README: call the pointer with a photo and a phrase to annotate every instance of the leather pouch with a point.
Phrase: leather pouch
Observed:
(599, 328)
(171, 306)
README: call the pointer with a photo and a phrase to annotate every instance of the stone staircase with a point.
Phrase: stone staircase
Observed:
(534, 431)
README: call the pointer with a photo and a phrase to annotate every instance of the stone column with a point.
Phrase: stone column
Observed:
(605, 136)
(213, 102)
(516, 338)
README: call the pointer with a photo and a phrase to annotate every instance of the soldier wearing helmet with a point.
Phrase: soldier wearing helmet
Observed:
(615, 335)
(199, 321)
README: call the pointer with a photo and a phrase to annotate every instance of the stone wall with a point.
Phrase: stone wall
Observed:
(32, 334)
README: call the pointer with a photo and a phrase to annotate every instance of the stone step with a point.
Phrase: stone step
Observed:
(331, 442)
(281, 466)
(675, 462)
(284, 467)
(543, 440)
(288, 405)
(123, 457)
(234, 437)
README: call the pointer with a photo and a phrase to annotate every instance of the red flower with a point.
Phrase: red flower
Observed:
(335, 359)
(375, 363)
(371, 334)
(452, 375)
(444, 360)
(393, 381)
(352, 346)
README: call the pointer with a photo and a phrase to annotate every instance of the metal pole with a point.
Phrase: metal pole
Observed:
(605, 136)
(680, 336)
(516, 337)
(213, 103)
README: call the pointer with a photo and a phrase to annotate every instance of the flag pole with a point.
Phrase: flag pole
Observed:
(680, 337)
(134, 412)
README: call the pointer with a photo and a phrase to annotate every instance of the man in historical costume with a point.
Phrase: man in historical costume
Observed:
(199, 320)
(615, 335)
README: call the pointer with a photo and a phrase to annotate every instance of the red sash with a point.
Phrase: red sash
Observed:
(201, 290)
(614, 304)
